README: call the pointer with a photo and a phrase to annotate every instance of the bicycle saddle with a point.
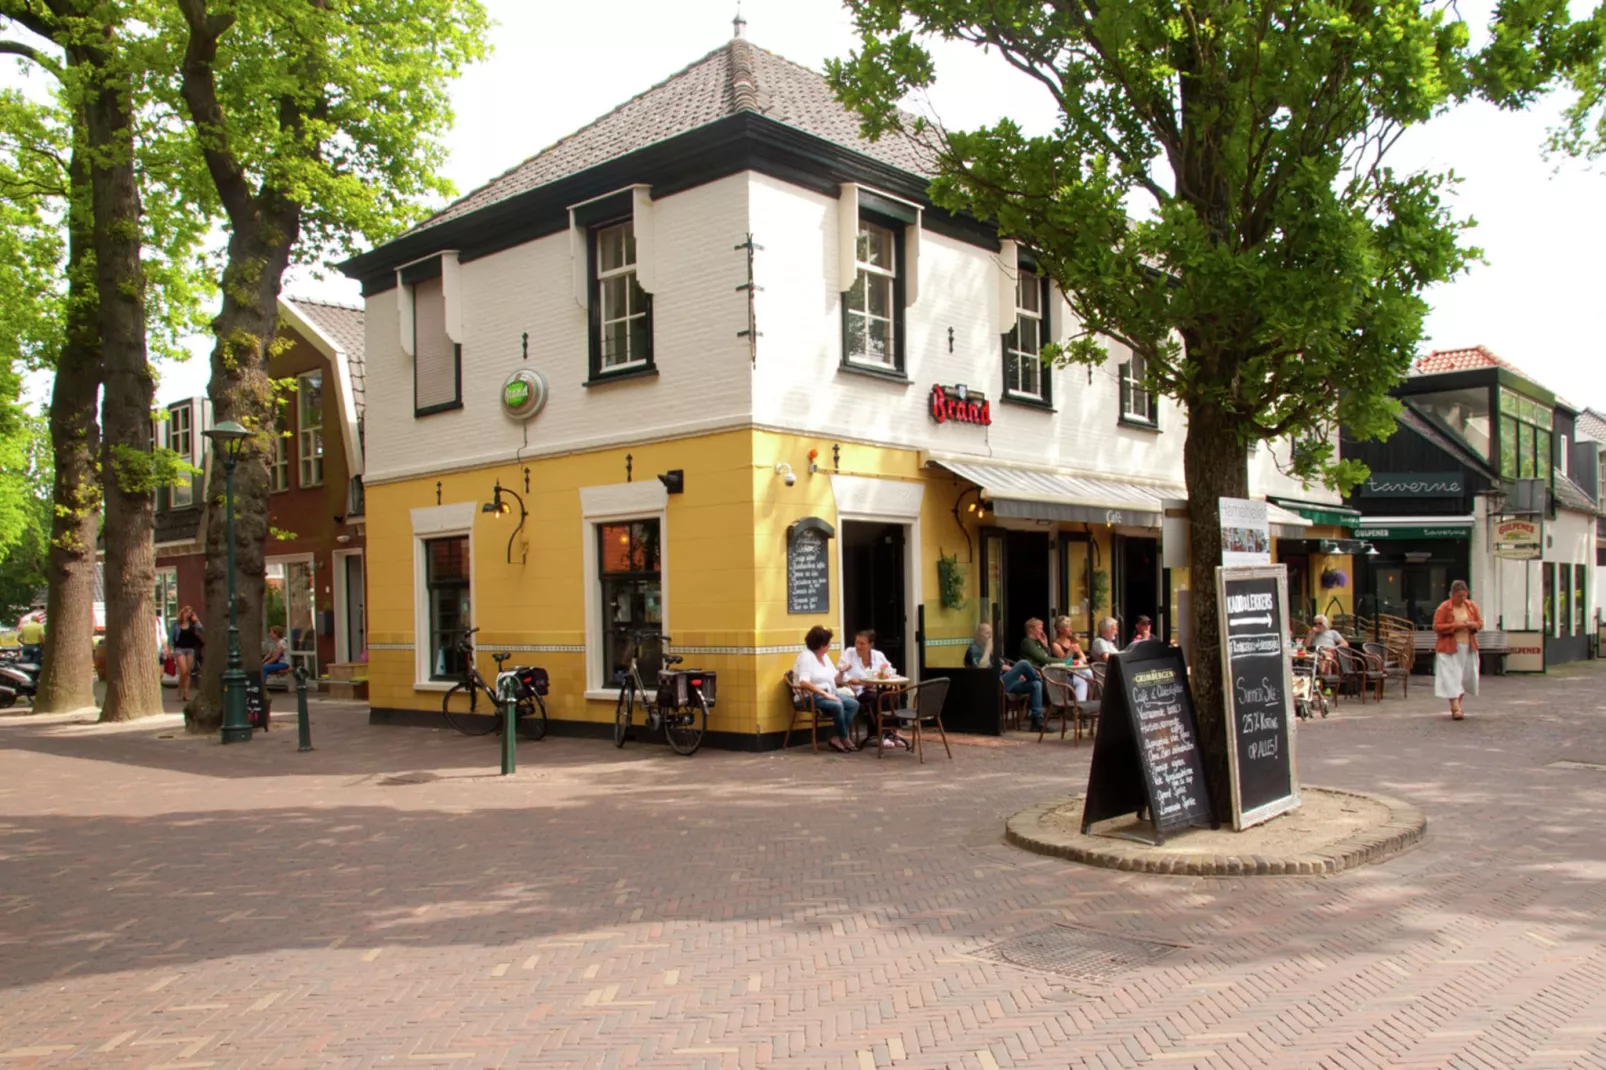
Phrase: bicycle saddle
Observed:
(500, 658)
(673, 659)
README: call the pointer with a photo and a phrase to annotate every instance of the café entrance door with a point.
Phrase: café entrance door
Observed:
(873, 590)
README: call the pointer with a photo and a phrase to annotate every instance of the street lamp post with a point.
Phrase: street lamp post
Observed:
(229, 437)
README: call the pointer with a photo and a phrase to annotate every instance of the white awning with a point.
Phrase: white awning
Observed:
(1040, 494)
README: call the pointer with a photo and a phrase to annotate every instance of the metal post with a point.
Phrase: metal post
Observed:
(303, 722)
(236, 726)
(509, 715)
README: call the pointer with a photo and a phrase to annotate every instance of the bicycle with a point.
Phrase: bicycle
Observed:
(679, 706)
(529, 685)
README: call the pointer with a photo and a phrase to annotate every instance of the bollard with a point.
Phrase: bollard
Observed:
(303, 722)
(510, 708)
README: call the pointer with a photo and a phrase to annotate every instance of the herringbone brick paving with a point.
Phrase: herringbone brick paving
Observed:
(387, 901)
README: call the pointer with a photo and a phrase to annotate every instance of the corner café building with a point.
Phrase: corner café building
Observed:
(735, 377)
(1479, 446)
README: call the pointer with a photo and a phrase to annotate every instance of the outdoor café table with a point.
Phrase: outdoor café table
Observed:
(886, 689)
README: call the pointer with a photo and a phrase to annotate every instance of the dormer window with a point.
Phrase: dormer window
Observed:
(180, 435)
(871, 327)
(621, 312)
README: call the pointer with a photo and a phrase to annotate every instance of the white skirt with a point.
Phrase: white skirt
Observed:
(1456, 674)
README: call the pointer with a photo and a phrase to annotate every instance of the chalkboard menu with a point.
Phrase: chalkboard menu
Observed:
(256, 701)
(1257, 679)
(808, 566)
(1146, 755)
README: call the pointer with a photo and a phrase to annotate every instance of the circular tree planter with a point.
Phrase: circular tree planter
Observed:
(1331, 831)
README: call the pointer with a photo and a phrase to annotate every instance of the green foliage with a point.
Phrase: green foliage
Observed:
(1583, 130)
(951, 582)
(1216, 195)
(1099, 590)
(25, 489)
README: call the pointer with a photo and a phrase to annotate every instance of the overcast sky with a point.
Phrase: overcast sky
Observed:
(1538, 302)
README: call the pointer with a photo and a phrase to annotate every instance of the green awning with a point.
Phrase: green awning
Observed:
(1334, 515)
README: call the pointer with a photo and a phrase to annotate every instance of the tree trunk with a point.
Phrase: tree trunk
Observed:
(66, 683)
(241, 390)
(132, 674)
(1216, 467)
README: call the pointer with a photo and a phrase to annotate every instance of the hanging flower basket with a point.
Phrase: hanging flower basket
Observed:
(1334, 577)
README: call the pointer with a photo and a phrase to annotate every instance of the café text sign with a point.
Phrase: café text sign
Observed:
(960, 405)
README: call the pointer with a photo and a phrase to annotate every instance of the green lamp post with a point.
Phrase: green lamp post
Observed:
(229, 438)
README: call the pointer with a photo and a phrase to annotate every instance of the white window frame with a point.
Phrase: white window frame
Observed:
(863, 270)
(613, 504)
(279, 463)
(437, 522)
(628, 272)
(305, 434)
(1018, 357)
(182, 442)
(165, 577)
(1132, 390)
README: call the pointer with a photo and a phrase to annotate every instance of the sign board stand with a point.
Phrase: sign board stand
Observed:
(1257, 678)
(1146, 756)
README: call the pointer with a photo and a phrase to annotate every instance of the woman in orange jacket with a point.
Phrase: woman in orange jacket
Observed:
(1457, 622)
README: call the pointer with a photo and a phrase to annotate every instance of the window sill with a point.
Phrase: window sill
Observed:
(603, 378)
(598, 694)
(874, 371)
(1025, 402)
(434, 685)
(433, 409)
(1139, 425)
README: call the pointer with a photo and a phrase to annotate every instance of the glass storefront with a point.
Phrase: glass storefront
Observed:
(287, 601)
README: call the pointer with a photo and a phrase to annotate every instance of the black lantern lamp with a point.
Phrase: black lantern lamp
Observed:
(498, 507)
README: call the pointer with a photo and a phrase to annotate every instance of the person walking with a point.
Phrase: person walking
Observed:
(189, 636)
(1457, 621)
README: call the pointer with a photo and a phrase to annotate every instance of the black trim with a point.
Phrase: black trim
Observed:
(737, 143)
(648, 371)
(1140, 425)
(445, 406)
(607, 216)
(423, 271)
(1027, 402)
(900, 270)
(811, 523)
(898, 212)
(1124, 375)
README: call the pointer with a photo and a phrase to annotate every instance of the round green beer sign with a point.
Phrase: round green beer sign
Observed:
(523, 394)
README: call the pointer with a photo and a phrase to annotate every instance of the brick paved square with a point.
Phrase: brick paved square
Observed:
(387, 900)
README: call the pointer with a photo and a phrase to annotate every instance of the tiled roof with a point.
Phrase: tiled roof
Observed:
(1592, 424)
(1460, 360)
(736, 77)
(344, 326)
(1570, 495)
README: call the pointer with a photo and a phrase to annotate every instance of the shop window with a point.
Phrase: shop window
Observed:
(309, 427)
(1137, 404)
(437, 360)
(872, 309)
(447, 603)
(1564, 593)
(1580, 600)
(621, 311)
(288, 602)
(1548, 570)
(1025, 377)
(630, 578)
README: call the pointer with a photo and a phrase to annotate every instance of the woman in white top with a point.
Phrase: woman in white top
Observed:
(862, 661)
(815, 674)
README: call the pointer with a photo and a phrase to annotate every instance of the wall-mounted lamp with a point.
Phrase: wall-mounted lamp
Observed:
(785, 472)
(674, 481)
(814, 456)
(497, 507)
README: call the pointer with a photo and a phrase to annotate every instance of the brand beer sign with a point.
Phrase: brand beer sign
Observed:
(1518, 540)
(960, 405)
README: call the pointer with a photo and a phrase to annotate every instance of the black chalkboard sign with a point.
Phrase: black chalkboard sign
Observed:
(1254, 652)
(808, 566)
(256, 701)
(1146, 754)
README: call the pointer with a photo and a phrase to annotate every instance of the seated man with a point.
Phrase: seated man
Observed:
(274, 658)
(1105, 645)
(1034, 650)
(1142, 631)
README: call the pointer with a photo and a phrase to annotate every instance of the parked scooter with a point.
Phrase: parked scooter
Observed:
(20, 679)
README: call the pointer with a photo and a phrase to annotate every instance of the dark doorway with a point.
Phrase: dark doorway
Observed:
(873, 587)
(1136, 582)
(1026, 592)
(1301, 603)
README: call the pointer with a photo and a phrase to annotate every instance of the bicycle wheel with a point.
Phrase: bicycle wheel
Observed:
(685, 728)
(467, 723)
(621, 715)
(531, 717)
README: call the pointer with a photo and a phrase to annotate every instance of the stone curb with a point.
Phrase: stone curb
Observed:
(1405, 826)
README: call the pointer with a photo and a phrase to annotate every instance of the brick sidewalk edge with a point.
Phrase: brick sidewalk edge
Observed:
(1404, 826)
